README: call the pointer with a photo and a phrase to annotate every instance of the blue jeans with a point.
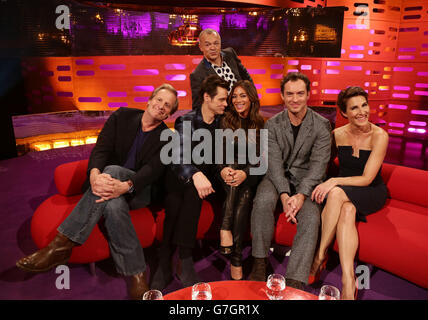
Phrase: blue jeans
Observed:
(125, 248)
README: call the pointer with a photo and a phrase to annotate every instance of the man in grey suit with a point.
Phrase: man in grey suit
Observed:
(224, 63)
(299, 147)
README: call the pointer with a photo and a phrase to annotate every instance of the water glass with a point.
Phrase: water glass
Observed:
(201, 291)
(153, 295)
(328, 292)
(275, 287)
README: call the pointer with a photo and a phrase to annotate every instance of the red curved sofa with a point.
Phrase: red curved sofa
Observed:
(69, 178)
(394, 239)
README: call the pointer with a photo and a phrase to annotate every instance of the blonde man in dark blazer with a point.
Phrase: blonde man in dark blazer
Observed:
(124, 164)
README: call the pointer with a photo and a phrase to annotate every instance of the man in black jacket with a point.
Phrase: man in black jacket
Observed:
(189, 182)
(123, 166)
(224, 63)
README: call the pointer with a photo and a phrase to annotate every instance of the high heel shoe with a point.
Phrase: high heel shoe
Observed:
(316, 277)
(356, 289)
(226, 250)
(232, 266)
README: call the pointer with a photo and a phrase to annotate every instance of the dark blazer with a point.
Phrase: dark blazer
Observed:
(116, 139)
(204, 69)
(194, 118)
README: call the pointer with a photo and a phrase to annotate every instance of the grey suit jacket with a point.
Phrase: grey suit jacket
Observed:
(303, 163)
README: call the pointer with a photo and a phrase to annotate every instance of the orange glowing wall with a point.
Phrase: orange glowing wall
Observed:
(386, 53)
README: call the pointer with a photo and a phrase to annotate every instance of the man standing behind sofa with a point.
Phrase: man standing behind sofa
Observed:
(299, 147)
(123, 166)
(224, 63)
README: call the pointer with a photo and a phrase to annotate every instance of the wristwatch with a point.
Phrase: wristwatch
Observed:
(131, 188)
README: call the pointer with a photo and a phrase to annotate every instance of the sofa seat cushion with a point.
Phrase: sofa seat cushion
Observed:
(50, 214)
(395, 239)
(284, 231)
(69, 177)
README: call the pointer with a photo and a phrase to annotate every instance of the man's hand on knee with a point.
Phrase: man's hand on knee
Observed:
(294, 204)
(118, 188)
(202, 185)
(106, 187)
(101, 183)
(286, 207)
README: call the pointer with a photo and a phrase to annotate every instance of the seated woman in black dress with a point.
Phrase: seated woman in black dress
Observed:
(358, 191)
(243, 113)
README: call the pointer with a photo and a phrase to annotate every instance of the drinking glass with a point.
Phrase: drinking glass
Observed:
(153, 295)
(275, 287)
(328, 292)
(201, 291)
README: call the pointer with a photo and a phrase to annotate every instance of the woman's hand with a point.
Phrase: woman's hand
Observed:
(239, 176)
(321, 190)
(227, 174)
(233, 177)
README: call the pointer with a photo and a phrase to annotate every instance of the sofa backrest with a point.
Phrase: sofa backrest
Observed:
(406, 184)
(69, 177)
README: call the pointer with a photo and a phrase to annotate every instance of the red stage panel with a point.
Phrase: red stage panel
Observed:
(100, 83)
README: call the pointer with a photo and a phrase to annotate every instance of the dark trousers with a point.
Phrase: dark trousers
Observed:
(125, 248)
(182, 211)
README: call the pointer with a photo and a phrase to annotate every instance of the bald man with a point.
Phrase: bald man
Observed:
(224, 63)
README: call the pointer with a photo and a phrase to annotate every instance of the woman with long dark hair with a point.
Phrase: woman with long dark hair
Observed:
(239, 184)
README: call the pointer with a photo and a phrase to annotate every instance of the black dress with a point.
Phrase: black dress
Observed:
(367, 199)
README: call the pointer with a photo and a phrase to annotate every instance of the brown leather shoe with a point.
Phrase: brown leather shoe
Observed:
(258, 273)
(56, 253)
(138, 286)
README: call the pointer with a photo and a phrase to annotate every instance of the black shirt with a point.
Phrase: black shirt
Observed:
(295, 130)
(140, 137)
(207, 168)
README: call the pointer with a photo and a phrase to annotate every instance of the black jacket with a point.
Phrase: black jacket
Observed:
(116, 139)
(204, 69)
(194, 118)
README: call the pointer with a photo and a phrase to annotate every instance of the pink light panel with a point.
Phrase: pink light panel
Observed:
(416, 130)
(112, 67)
(396, 124)
(418, 123)
(420, 112)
